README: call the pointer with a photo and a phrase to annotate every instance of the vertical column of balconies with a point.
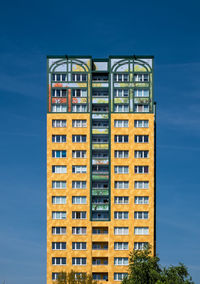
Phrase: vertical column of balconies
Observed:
(100, 197)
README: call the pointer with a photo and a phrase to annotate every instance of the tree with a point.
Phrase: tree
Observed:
(145, 269)
(72, 278)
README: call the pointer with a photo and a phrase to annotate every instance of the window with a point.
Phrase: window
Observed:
(55, 275)
(79, 108)
(59, 108)
(59, 230)
(78, 230)
(59, 169)
(99, 230)
(141, 200)
(141, 108)
(121, 108)
(121, 123)
(141, 215)
(121, 154)
(79, 77)
(78, 215)
(59, 245)
(121, 230)
(120, 260)
(59, 123)
(121, 245)
(58, 184)
(141, 154)
(79, 169)
(141, 185)
(58, 77)
(78, 184)
(121, 93)
(78, 154)
(79, 260)
(79, 200)
(121, 199)
(141, 138)
(121, 215)
(59, 93)
(141, 93)
(141, 77)
(121, 77)
(141, 169)
(79, 123)
(141, 230)
(99, 93)
(121, 184)
(58, 215)
(120, 276)
(59, 154)
(140, 245)
(141, 123)
(121, 169)
(59, 260)
(59, 138)
(78, 138)
(121, 138)
(79, 245)
(58, 199)
(79, 93)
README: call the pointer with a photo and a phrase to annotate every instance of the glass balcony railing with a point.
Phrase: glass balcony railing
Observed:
(100, 207)
(100, 192)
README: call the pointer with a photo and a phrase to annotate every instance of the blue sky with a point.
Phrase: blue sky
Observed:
(30, 30)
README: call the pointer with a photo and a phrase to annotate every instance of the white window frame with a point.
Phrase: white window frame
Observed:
(55, 77)
(121, 184)
(75, 215)
(121, 77)
(59, 261)
(121, 153)
(58, 245)
(141, 93)
(79, 107)
(121, 107)
(79, 123)
(59, 199)
(79, 230)
(137, 138)
(140, 245)
(141, 77)
(60, 153)
(79, 93)
(81, 138)
(141, 170)
(142, 200)
(59, 138)
(140, 154)
(59, 184)
(141, 231)
(141, 184)
(141, 123)
(121, 93)
(121, 231)
(141, 108)
(121, 200)
(79, 184)
(81, 152)
(59, 123)
(79, 245)
(117, 139)
(58, 108)
(80, 262)
(119, 276)
(80, 169)
(121, 169)
(121, 246)
(81, 199)
(119, 123)
(76, 77)
(62, 230)
(121, 261)
(59, 169)
(59, 215)
(62, 93)
(141, 215)
(121, 215)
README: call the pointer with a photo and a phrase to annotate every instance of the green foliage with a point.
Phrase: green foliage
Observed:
(145, 269)
(70, 278)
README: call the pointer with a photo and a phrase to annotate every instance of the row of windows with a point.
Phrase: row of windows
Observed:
(118, 276)
(83, 169)
(83, 261)
(117, 230)
(118, 184)
(117, 200)
(82, 93)
(121, 77)
(83, 245)
(118, 215)
(56, 123)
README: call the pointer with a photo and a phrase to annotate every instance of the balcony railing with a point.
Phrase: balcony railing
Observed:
(100, 192)
(100, 207)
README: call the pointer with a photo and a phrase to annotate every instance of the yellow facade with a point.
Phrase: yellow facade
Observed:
(90, 238)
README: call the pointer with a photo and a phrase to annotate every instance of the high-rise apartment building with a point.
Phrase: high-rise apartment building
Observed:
(100, 164)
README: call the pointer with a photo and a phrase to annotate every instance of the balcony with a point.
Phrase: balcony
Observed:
(96, 130)
(100, 192)
(99, 261)
(100, 116)
(100, 161)
(100, 246)
(100, 207)
(100, 176)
